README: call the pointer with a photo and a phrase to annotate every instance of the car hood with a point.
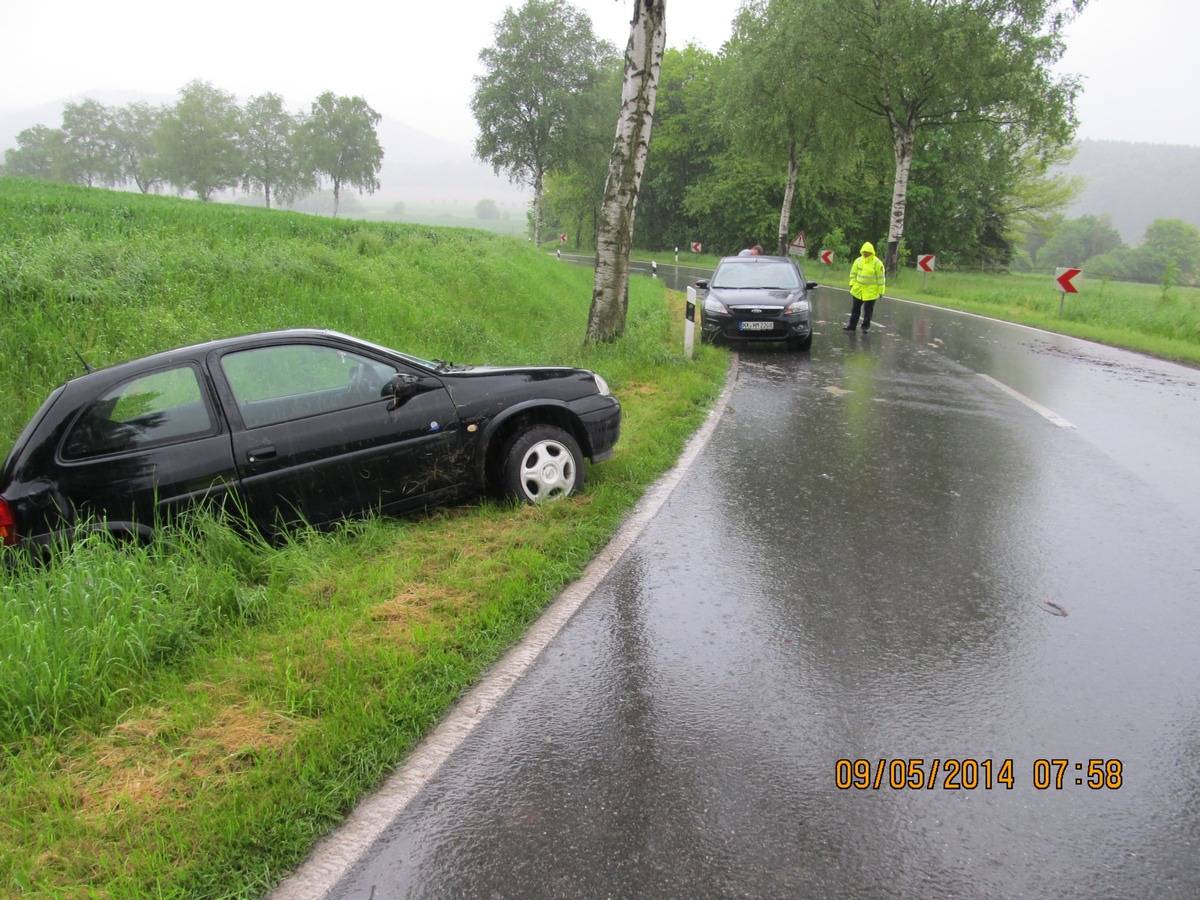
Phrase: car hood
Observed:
(533, 371)
(755, 296)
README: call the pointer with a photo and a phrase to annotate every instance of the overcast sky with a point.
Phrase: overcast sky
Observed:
(413, 61)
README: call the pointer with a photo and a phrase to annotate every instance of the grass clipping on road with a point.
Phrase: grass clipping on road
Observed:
(186, 719)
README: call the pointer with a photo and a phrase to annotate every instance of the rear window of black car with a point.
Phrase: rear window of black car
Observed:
(150, 410)
(763, 276)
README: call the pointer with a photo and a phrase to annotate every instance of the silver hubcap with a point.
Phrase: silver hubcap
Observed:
(547, 471)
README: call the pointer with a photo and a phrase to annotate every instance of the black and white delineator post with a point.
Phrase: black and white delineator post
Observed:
(689, 323)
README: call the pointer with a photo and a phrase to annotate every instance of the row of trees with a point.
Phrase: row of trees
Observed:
(207, 143)
(906, 122)
(1169, 251)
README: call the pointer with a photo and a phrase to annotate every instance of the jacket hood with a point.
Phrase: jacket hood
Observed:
(868, 247)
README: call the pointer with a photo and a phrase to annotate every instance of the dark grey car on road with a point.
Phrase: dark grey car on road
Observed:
(757, 298)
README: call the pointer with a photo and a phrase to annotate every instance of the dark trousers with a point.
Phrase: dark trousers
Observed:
(866, 308)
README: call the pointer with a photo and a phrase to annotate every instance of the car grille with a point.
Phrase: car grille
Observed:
(756, 312)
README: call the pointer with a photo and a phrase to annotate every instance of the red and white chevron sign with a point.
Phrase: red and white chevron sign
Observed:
(1064, 278)
(827, 257)
(925, 262)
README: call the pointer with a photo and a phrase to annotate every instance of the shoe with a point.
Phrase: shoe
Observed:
(847, 328)
(865, 329)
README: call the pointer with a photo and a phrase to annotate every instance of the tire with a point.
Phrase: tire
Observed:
(542, 463)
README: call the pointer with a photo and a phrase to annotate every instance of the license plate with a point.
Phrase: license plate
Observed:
(756, 326)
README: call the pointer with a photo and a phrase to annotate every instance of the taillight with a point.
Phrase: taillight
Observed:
(8, 524)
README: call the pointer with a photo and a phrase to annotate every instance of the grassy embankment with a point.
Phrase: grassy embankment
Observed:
(185, 719)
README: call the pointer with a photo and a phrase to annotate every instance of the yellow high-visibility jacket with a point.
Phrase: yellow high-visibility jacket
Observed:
(867, 279)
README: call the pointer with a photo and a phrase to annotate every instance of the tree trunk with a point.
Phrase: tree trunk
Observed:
(903, 140)
(785, 213)
(614, 238)
(537, 208)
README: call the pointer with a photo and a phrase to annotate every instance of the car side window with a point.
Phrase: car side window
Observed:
(293, 381)
(151, 410)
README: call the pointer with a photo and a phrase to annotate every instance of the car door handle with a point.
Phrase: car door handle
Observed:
(261, 453)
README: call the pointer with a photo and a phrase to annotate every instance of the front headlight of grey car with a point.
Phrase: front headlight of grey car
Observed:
(714, 306)
(796, 306)
(601, 385)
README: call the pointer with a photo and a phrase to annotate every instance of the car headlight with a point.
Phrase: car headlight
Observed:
(715, 306)
(601, 385)
(796, 306)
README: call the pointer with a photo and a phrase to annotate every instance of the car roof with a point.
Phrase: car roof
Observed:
(751, 260)
(191, 351)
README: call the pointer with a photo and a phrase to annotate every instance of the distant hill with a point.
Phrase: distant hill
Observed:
(1136, 184)
(417, 167)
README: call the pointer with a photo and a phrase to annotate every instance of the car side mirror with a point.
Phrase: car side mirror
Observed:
(810, 285)
(402, 388)
(702, 284)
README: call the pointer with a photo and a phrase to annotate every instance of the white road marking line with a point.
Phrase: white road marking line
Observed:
(1050, 416)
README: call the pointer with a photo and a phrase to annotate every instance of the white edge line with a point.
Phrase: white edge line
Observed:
(1050, 416)
(337, 852)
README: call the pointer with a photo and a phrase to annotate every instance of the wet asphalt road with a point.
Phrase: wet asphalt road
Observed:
(857, 567)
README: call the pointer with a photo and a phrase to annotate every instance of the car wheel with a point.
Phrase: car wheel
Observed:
(803, 343)
(543, 463)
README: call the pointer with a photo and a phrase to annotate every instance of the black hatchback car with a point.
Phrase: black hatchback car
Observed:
(298, 425)
(757, 298)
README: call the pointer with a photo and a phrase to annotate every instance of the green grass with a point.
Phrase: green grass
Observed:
(185, 719)
(1140, 317)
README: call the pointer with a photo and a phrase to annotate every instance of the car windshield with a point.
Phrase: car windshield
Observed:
(763, 276)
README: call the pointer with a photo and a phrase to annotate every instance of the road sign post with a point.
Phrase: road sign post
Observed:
(925, 265)
(799, 247)
(1065, 280)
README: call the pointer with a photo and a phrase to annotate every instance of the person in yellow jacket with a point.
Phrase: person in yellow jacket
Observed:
(867, 282)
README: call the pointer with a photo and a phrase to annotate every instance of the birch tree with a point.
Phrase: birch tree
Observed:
(271, 146)
(134, 127)
(531, 102)
(197, 140)
(614, 240)
(343, 145)
(913, 64)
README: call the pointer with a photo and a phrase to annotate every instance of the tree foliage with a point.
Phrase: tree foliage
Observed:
(534, 101)
(914, 65)
(134, 148)
(88, 127)
(205, 143)
(343, 145)
(273, 152)
(572, 193)
(198, 141)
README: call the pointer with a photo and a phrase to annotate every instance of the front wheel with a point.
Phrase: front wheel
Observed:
(543, 463)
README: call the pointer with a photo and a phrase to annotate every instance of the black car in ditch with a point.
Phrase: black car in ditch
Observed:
(757, 298)
(296, 426)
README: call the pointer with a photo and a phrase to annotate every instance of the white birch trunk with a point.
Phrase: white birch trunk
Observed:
(903, 141)
(785, 214)
(537, 209)
(614, 238)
